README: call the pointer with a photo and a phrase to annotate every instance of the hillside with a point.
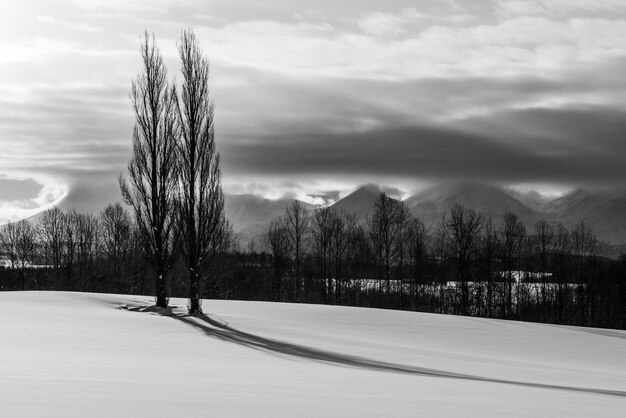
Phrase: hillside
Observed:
(491, 201)
(360, 202)
(251, 214)
(75, 355)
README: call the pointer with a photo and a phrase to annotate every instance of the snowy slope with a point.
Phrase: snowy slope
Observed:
(361, 202)
(76, 355)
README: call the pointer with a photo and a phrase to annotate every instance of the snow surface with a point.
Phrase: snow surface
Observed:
(79, 354)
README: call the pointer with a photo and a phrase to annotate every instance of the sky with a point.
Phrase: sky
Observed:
(314, 98)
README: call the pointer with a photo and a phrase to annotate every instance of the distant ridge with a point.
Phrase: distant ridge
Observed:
(251, 214)
(360, 202)
(491, 201)
(605, 212)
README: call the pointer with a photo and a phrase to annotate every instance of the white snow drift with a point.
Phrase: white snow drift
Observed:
(77, 355)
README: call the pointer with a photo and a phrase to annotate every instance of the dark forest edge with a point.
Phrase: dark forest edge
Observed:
(465, 265)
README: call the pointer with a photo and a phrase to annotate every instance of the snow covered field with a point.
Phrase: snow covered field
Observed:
(78, 355)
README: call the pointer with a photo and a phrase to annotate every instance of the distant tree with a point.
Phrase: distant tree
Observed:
(417, 242)
(463, 227)
(70, 232)
(26, 244)
(116, 236)
(297, 220)
(585, 246)
(152, 185)
(489, 247)
(543, 243)
(203, 225)
(385, 226)
(562, 252)
(361, 258)
(343, 226)
(88, 246)
(51, 232)
(511, 239)
(8, 242)
(277, 242)
(321, 232)
(17, 242)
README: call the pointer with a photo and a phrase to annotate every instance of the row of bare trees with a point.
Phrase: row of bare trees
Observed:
(466, 264)
(74, 251)
(174, 184)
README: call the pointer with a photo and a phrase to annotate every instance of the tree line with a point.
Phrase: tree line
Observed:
(466, 264)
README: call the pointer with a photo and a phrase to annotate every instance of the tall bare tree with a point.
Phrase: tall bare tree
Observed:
(417, 241)
(489, 247)
(562, 253)
(201, 202)
(385, 226)
(17, 242)
(343, 226)
(277, 242)
(152, 185)
(511, 237)
(8, 242)
(585, 246)
(70, 232)
(321, 233)
(116, 236)
(51, 233)
(88, 245)
(297, 220)
(543, 243)
(463, 226)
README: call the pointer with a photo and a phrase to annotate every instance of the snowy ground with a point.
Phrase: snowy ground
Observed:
(77, 355)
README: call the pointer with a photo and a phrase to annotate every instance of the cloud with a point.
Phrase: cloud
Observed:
(69, 25)
(330, 94)
(577, 146)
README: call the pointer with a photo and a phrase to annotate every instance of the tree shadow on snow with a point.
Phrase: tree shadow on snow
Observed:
(223, 331)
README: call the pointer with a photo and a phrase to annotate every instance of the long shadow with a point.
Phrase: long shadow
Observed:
(225, 332)
(597, 331)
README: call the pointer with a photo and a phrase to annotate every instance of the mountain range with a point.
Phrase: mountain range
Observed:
(605, 212)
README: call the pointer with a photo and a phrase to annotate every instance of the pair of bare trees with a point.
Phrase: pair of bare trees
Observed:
(174, 184)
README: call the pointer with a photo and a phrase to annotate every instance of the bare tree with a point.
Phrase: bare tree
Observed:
(17, 241)
(116, 235)
(278, 244)
(88, 245)
(152, 184)
(321, 232)
(562, 252)
(385, 226)
(511, 237)
(544, 241)
(417, 241)
(70, 232)
(343, 226)
(8, 242)
(297, 220)
(585, 246)
(201, 201)
(489, 246)
(463, 226)
(51, 232)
